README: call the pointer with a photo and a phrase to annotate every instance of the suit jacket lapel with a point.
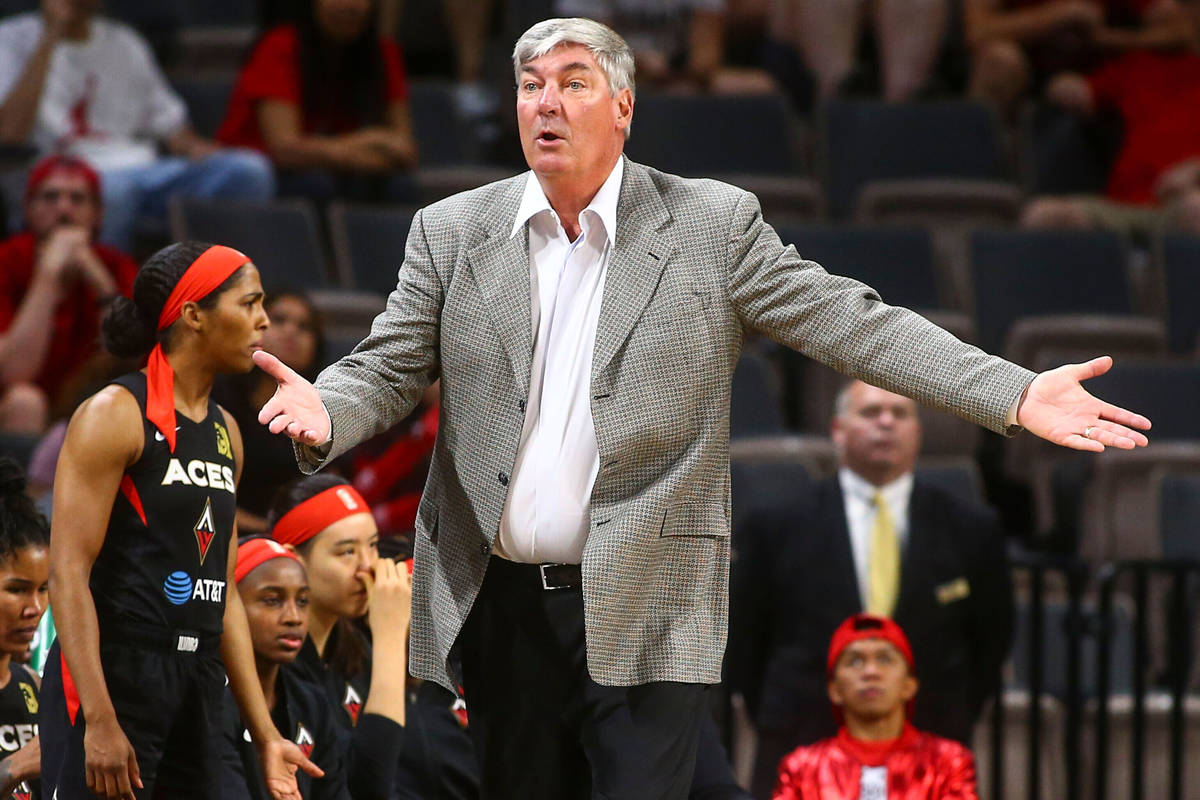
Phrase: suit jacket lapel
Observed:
(636, 264)
(915, 557)
(832, 520)
(501, 268)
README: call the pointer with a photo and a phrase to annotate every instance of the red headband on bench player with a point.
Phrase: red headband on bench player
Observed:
(206, 273)
(317, 513)
(255, 552)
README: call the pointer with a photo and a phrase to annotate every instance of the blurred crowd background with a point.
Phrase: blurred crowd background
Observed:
(1024, 172)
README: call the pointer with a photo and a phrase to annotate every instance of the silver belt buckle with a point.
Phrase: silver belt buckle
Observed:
(542, 571)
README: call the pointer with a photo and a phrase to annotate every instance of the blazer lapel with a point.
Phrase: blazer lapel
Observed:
(636, 263)
(841, 558)
(915, 559)
(501, 268)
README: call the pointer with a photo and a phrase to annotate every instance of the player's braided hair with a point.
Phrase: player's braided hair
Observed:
(21, 524)
(131, 326)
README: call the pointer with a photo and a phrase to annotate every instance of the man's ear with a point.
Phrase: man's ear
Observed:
(835, 695)
(909, 690)
(624, 108)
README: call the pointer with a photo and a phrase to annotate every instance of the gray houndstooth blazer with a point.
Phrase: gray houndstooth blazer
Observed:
(694, 268)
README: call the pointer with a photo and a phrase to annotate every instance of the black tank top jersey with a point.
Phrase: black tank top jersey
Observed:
(164, 559)
(19, 721)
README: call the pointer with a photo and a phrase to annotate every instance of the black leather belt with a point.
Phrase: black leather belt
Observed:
(560, 576)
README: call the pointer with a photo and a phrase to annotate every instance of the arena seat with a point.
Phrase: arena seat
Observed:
(368, 243)
(281, 237)
(896, 262)
(1178, 259)
(757, 400)
(701, 135)
(1015, 705)
(863, 141)
(207, 99)
(950, 210)
(1018, 274)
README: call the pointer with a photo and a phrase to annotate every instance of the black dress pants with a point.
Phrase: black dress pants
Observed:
(542, 727)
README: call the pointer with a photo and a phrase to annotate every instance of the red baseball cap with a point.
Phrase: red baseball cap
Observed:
(51, 164)
(868, 626)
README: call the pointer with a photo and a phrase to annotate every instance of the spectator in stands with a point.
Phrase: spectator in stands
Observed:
(676, 43)
(54, 281)
(296, 338)
(872, 538)
(909, 36)
(1155, 180)
(877, 753)
(327, 99)
(1018, 45)
(72, 81)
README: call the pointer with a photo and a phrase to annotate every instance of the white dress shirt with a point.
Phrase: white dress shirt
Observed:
(859, 495)
(545, 517)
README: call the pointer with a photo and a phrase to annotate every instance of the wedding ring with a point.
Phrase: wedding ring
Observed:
(1087, 432)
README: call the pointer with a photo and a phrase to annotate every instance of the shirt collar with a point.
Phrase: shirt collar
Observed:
(603, 205)
(856, 486)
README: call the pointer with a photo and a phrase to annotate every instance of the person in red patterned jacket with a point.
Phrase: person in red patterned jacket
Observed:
(877, 754)
(54, 282)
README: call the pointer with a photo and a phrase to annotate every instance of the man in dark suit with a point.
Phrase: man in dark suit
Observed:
(871, 539)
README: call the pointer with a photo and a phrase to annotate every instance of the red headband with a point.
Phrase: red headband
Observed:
(255, 552)
(317, 513)
(206, 273)
(51, 164)
(867, 626)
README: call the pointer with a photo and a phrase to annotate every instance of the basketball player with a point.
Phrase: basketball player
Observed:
(140, 555)
(274, 590)
(331, 528)
(24, 572)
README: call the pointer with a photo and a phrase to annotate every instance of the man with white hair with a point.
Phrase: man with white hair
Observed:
(572, 543)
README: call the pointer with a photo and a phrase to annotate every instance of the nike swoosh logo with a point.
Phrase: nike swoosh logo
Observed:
(158, 437)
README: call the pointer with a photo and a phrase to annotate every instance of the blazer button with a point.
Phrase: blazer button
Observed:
(485, 548)
(521, 405)
(503, 478)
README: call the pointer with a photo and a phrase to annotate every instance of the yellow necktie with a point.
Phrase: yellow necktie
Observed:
(883, 566)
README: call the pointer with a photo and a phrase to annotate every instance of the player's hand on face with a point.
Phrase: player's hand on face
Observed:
(280, 759)
(295, 408)
(110, 764)
(389, 597)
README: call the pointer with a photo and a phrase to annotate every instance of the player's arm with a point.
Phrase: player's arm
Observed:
(104, 437)
(280, 758)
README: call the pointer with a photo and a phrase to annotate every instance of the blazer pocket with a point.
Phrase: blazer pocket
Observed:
(427, 520)
(696, 519)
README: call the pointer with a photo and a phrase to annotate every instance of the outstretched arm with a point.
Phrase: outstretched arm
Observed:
(1057, 408)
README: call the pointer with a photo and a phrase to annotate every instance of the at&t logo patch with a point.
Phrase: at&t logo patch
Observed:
(180, 588)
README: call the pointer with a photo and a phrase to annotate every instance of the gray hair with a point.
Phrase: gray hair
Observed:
(611, 52)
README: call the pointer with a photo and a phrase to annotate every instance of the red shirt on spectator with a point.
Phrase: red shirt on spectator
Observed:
(273, 73)
(1158, 96)
(76, 321)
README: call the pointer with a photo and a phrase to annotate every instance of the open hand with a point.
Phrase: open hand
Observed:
(1057, 408)
(295, 408)
(110, 763)
(280, 759)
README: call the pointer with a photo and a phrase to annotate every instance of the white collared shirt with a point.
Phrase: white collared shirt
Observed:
(545, 517)
(860, 515)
